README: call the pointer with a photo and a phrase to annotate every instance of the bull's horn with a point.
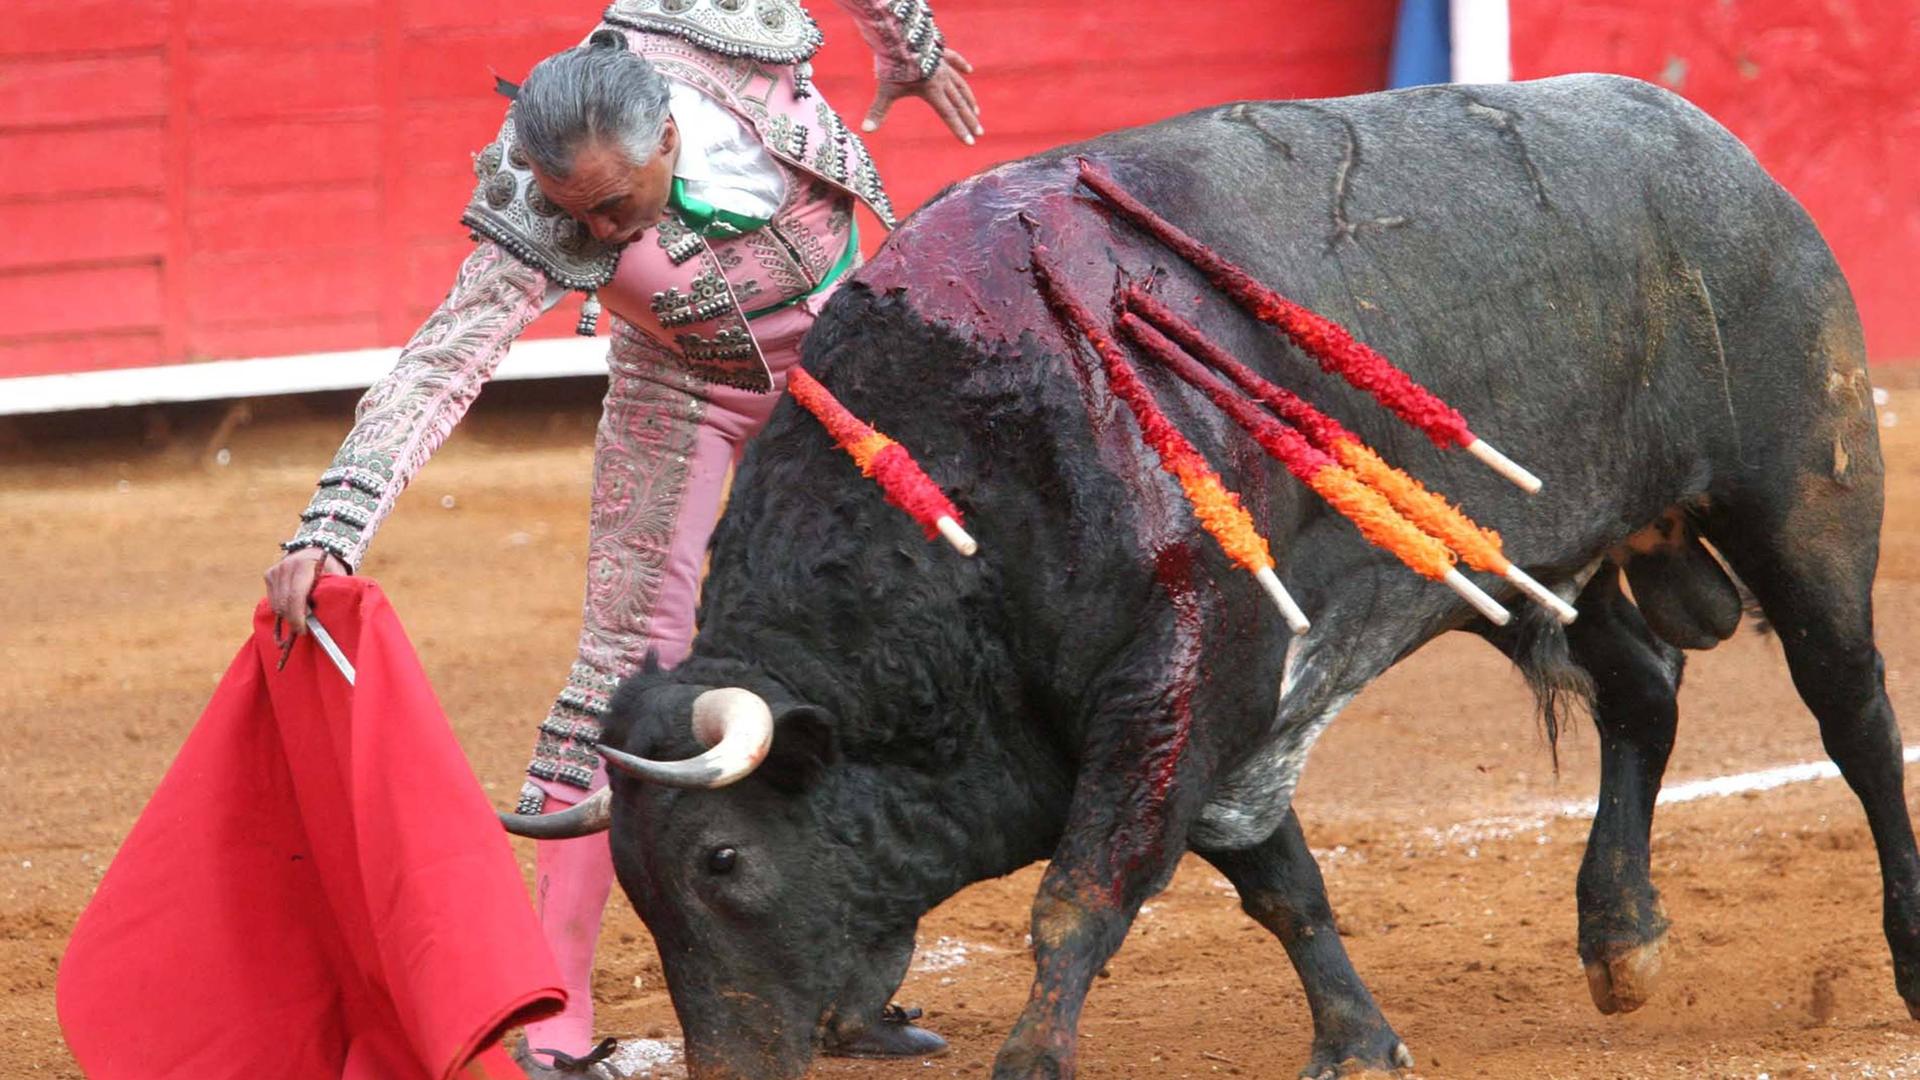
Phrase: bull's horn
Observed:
(734, 723)
(591, 815)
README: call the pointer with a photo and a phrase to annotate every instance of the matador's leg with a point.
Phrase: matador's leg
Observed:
(665, 443)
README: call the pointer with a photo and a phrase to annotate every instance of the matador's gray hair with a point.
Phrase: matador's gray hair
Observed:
(600, 91)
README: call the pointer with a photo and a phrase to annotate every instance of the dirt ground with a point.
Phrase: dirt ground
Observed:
(131, 560)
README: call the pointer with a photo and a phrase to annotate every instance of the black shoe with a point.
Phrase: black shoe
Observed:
(895, 1036)
(596, 1064)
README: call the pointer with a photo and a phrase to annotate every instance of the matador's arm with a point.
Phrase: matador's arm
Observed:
(405, 416)
(911, 59)
(906, 44)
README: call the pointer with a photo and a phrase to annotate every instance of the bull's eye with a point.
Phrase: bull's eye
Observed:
(721, 859)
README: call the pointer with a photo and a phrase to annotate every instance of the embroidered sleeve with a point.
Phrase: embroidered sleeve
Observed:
(405, 416)
(906, 44)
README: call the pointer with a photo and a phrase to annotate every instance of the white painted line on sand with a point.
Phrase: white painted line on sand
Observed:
(1503, 826)
(1762, 780)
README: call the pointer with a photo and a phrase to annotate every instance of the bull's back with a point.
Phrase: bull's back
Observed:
(1587, 261)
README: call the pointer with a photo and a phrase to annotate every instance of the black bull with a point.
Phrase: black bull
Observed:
(1598, 275)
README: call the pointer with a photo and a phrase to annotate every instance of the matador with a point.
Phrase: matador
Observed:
(706, 201)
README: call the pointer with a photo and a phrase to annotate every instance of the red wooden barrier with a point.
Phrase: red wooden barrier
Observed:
(201, 179)
(1824, 94)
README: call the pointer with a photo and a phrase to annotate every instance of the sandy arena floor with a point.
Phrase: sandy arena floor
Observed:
(132, 560)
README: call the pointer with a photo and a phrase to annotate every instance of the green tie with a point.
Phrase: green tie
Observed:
(707, 219)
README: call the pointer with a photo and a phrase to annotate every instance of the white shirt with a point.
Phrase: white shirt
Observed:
(722, 162)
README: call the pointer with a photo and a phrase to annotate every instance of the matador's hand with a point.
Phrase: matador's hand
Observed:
(946, 90)
(290, 583)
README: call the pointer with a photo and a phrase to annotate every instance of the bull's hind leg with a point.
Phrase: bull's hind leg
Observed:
(1280, 887)
(1635, 677)
(1808, 550)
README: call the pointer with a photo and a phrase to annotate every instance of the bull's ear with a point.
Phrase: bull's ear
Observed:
(803, 749)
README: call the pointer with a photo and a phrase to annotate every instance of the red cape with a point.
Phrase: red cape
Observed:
(319, 888)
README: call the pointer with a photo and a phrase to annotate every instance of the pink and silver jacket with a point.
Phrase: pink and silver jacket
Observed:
(672, 283)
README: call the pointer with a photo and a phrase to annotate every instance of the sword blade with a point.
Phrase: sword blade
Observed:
(331, 649)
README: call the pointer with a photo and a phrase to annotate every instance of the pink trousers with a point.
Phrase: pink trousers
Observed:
(666, 443)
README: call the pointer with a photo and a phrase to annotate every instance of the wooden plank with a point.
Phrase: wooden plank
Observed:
(89, 229)
(461, 66)
(41, 93)
(286, 337)
(48, 27)
(1053, 34)
(452, 14)
(86, 352)
(430, 266)
(304, 219)
(244, 290)
(43, 302)
(282, 80)
(83, 161)
(1071, 103)
(394, 168)
(178, 151)
(429, 203)
(249, 22)
(451, 131)
(265, 153)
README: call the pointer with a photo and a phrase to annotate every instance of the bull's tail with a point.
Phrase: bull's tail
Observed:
(1562, 690)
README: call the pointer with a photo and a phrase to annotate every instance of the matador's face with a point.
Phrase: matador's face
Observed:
(613, 197)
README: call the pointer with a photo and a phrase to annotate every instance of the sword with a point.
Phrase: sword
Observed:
(332, 650)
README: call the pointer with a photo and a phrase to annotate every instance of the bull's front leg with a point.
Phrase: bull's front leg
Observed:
(1126, 830)
(1280, 886)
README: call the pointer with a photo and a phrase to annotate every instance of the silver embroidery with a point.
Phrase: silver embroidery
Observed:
(679, 242)
(509, 209)
(922, 36)
(830, 159)
(770, 31)
(786, 138)
(842, 158)
(708, 300)
(730, 343)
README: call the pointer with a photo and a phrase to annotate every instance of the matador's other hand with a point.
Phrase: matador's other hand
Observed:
(946, 90)
(290, 583)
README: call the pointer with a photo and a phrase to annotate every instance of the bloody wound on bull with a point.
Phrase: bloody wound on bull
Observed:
(1217, 507)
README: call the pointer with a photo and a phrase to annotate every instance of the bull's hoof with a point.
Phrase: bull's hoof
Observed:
(1024, 1062)
(1625, 981)
(1913, 1009)
(1384, 1058)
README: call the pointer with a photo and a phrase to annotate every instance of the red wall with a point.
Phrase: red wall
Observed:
(201, 179)
(1826, 94)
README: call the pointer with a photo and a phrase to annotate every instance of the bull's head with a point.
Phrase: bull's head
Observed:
(724, 844)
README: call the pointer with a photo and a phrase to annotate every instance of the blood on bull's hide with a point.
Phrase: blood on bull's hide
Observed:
(1599, 276)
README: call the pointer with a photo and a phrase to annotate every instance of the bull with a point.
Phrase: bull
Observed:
(1599, 275)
